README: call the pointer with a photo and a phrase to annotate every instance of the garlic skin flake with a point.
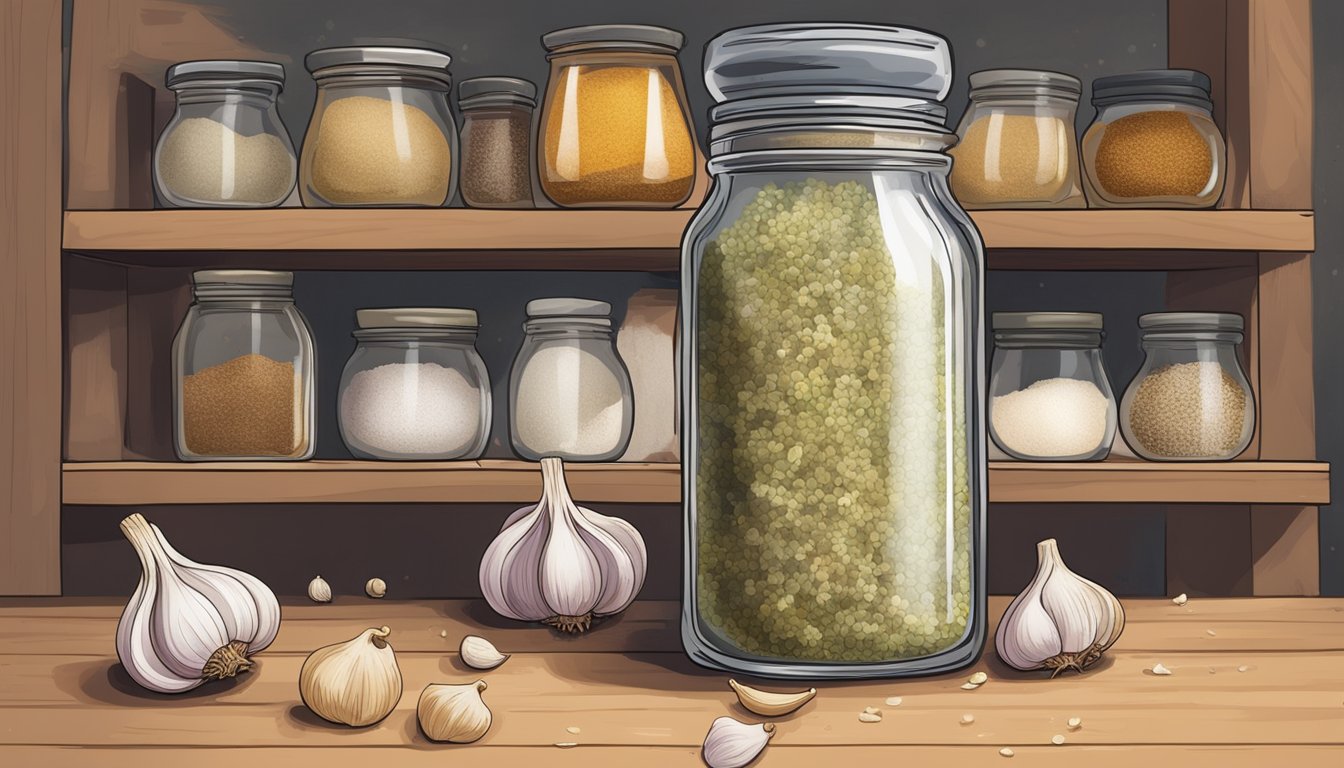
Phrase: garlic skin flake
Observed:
(730, 744)
(355, 683)
(189, 622)
(1060, 621)
(319, 591)
(479, 653)
(561, 564)
(453, 713)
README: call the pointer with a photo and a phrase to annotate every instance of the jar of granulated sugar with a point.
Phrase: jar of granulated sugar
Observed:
(1191, 399)
(569, 393)
(415, 388)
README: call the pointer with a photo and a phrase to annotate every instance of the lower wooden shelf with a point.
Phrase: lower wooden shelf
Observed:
(370, 482)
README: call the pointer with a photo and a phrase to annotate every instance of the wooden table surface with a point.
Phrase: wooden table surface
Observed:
(1255, 682)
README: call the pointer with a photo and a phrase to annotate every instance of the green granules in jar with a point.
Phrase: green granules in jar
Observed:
(828, 528)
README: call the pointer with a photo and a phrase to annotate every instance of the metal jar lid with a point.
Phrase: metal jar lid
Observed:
(568, 307)
(261, 278)
(417, 317)
(224, 69)
(496, 92)
(1025, 81)
(423, 61)
(1046, 321)
(1178, 322)
(1182, 86)
(614, 36)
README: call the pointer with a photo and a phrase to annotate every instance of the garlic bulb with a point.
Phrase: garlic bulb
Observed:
(455, 713)
(319, 591)
(479, 653)
(1060, 621)
(356, 682)
(730, 744)
(562, 564)
(188, 622)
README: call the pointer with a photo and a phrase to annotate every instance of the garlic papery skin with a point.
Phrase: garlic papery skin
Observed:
(354, 683)
(319, 591)
(1060, 621)
(730, 744)
(562, 564)
(454, 713)
(189, 622)
(479, 653)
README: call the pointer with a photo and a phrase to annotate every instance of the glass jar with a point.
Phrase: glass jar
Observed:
(1049, 398)
(497, 160)
(243, 363)
(1190, 400)
(833, 367)
(224, 146)
(1153, 143)
(381, 132)
(615, 129)
(569, 393)
(1018, 147)
(415, 388)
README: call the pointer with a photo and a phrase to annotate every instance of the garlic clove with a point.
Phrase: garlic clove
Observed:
(731, 744)
(453, 713)
(355, 683)
(1180, 599)
(375, 588)
(479, 653)
(1160, 669)
(767, 703)
(979, 678)
(319, 591)
(1075, 723)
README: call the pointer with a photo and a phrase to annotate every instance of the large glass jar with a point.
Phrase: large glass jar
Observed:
(1153, 143)
(1018, 147)
(1049, 397)
(569, 393)
(1191, 399)
(243, 363)
(415, 388)
(615, 130)
(497, 161)
(832, 365)
(224, 146)
(381, 132)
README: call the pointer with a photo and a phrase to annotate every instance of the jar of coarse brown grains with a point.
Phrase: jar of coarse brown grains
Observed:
(497, 141)
(1153, 143)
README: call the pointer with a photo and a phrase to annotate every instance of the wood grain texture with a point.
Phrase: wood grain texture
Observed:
(95, 359)
(1280, 83)
(30, 296)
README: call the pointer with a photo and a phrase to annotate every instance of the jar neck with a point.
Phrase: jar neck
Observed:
(260, 96)
(410, 337)
(1189, 339)
(829, 159)
(388, 77)
(1056, 339)
(1024, 95)
(568, 327)
(243, 295)
(1132, 106)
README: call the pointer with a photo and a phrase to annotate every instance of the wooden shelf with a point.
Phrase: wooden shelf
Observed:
(137, 483)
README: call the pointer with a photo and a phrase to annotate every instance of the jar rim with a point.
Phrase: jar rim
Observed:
(238, 278)
(1031, 78)
(567, 306)
(223, 71)
(416, 318)
(425, 62)
(605, 36)
(496, 91)
(1177, 322)
(1047, 321)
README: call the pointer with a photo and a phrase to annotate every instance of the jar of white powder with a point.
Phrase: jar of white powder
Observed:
(1049, 398)
(569, 393)
(415, 388)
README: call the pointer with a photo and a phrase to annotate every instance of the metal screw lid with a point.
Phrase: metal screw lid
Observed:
(568, 307)
(1185, 86)
(615, 36)
(1192, 321)
(224, 69)
(1046, 321)
(1056, 83)
(417, 317)
(242, 277)
(426, 61)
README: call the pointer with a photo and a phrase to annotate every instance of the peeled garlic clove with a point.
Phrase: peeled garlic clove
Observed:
(375, 588)
(767, 703)
(454, 713)
(1180, 599)
(730, 744)
(319, 591)
(979, 678)
(356, 682)
(1159, 669)
(479, 653)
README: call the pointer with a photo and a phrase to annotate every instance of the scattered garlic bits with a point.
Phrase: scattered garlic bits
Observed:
(1180, 599)
(373, 151)
(204, 161)
(1058, 739)
(243, 407)
(820, 536)
(1188, 410)
(1153, 154)
(1032, 160)
(375, 588)
(1052, 418)
(1159, 669)
(1007, 752)
(870, 715)
(967, 719)
(1075, 723)
(893, 701)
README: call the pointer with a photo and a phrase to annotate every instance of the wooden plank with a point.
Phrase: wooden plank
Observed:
(1144, 482)
(1193, 263)
(95, 352)
(30, 297)
(156, 302)
(1280, 71)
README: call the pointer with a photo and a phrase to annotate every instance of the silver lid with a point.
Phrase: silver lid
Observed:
(568, 307)
(480, 86)
(416, 317)
(224, 69)
(242, 277)
(615, 36)
(429, 62)
(1046, 321)
(1027, 79)
(1192, 321)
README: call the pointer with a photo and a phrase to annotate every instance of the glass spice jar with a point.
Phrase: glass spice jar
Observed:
(243, 363)
(381, 133)
(1190, 400)
(1018, 147)
(225, 146)
(1153, 143)
(415, 388)
(497, 160)
(832, 364)
(1049, 397)
(615, 129)
(570, 395)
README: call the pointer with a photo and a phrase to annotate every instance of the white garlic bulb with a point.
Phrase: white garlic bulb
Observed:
(454, 713)
(189, 622)
(1060, 621)
(319, 591)
(730, 744)
(479, 653)
(562, 564)
(356, 682)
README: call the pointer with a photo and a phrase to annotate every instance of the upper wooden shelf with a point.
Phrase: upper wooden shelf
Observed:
(631, 240)
(135, 483)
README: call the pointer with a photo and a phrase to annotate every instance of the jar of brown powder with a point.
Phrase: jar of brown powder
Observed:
(243, 370)
(497, 141)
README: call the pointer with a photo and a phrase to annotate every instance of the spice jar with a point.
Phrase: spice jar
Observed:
(569, 393)
(243, 362)
(832, 364)
(497, 141)
(1190, 399)
(225, 146)
(1049, 398)
(1153, 142)
(415, 387)
(381, 132)
(1018, 148)
(615, 130)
